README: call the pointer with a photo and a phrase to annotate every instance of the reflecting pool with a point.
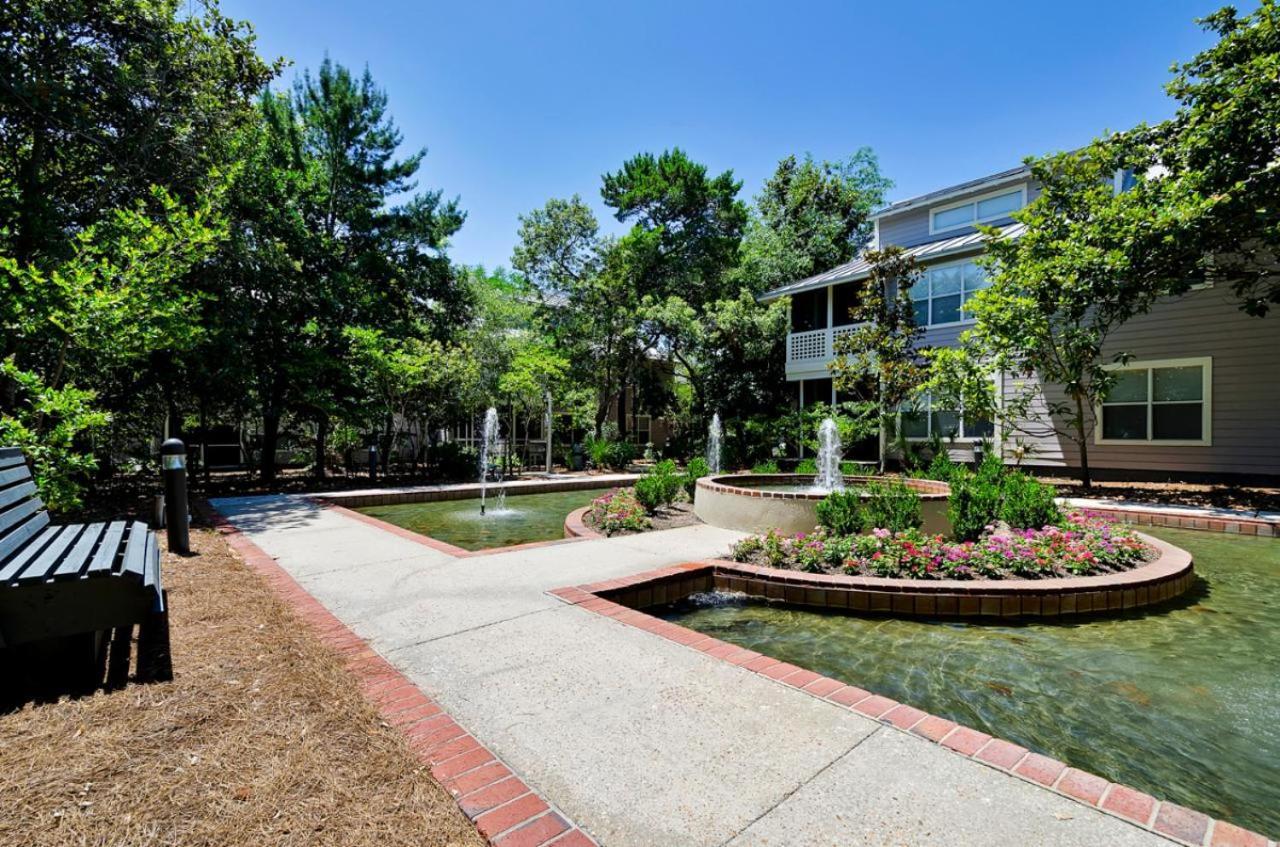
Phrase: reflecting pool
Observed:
(1182, 702)
(526, 518)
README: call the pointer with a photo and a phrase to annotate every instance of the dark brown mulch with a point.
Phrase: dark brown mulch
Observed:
(672, 517)
(1242, 498)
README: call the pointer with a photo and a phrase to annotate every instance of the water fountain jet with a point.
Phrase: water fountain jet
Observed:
(715, 434)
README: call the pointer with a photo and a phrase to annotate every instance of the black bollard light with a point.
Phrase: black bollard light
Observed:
(373, 461)
(173, 467)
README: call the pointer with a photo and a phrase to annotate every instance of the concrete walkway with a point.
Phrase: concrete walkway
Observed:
(641, 741)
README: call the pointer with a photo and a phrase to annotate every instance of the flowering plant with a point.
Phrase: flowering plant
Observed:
(617, 510)
(1081, 545)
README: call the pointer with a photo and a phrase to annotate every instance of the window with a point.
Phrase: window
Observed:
(981, 210)
(1164, 402)
(817, 391)
(641, 426)
(920, 421)
(809, 310)
(843, 298)
(942, 291)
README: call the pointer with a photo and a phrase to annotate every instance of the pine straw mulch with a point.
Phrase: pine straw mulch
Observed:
(263, 738)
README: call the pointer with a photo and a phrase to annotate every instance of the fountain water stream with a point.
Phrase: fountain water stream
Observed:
(715, 435)
(830, 477)
(488, 447)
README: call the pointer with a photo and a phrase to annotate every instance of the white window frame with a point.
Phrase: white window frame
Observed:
(959, 439)
(1021, 191)
(924, 273)
(1149, 365)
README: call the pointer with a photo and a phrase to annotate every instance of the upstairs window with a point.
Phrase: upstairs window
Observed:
(943, 290)
(980, 210)
(809, 310)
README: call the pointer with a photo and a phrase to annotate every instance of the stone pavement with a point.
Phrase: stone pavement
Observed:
(639, 740)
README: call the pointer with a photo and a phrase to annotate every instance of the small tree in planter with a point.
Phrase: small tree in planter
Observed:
(882, 348)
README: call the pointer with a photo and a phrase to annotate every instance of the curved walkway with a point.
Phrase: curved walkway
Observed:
(639, 740)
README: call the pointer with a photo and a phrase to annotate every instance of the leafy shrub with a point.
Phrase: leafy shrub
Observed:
(649, 492)
(941, 467)
(1027, 503)
(767, 466)
(807, 466)
(659, 486)
(892, 506)
(980, 499)
(612, 453)
(617, 511)
(453, 461)
(841, 512)
(695, 470)
(973, 505)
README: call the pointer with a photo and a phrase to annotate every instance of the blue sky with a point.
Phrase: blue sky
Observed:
(521, 102)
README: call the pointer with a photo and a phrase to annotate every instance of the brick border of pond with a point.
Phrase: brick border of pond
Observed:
(1171, 575)
(666, 585)
(505, 809)
(1242, 525)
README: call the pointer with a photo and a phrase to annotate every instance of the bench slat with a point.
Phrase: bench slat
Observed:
(11, 495)
(105, 558)
(13, 523)
(12, 475)
(34, 542)
(53, 537)
(78, 556)
(152, 577)
(135, 550)
(42, 566)
(12, 460)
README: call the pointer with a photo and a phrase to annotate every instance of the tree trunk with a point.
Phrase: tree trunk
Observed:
(322, 445)
(270, 439)
(1083, 443)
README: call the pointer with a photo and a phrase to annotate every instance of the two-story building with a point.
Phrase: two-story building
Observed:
(1199, 398)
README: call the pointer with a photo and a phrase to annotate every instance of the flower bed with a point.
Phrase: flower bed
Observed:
(617, 510)
(1083, 545)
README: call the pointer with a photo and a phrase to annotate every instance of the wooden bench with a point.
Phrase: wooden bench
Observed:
(78, 579)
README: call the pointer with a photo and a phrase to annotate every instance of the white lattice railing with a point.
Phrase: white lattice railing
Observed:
(808, 346)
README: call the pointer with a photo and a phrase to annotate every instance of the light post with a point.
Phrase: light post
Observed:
(173, 465)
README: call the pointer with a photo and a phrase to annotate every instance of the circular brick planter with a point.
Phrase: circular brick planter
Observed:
(575, 525)
(1170, 575)
(736, 502)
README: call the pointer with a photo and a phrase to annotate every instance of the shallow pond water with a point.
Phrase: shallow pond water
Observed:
(527, 517)
(1182, 702)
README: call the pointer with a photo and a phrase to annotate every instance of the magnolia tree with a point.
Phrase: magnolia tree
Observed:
(1058, 290)
(881, 356)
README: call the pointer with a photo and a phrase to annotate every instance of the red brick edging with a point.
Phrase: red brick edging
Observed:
(575, 525)
(434, 543)
(506, 811)
(1169, 576)
(1167, 819)
(1242, 525)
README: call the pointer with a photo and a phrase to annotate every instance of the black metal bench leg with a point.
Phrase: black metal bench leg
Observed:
(118, 657)
(154, 661)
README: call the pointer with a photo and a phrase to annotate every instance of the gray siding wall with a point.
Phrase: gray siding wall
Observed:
(910, 228)
(1245, 405)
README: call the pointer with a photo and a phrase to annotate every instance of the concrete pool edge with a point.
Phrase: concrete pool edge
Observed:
(740, 502)
(435, 543)
(1135, 807)
(506, 810)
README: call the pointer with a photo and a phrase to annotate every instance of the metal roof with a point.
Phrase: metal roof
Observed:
(860, 268)
(1012, 175)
